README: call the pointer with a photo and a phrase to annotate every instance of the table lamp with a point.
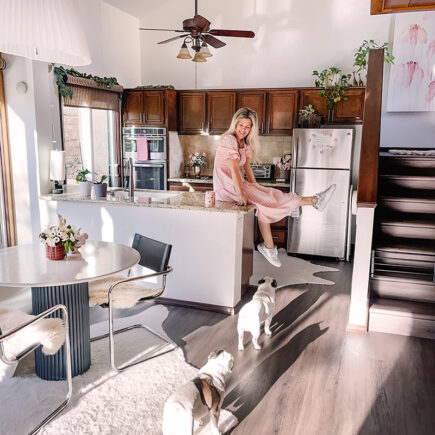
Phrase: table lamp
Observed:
(57, 169)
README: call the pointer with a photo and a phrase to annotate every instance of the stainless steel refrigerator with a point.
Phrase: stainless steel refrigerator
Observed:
(321, 157)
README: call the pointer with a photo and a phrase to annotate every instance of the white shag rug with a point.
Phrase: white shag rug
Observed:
(293, 271)
(103, 401)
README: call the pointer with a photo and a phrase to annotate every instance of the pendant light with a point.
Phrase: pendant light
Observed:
(45, 30)
(199, 58)
(205, 51)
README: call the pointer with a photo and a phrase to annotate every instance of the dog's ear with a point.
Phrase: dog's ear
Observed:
(274, 283)
(215, 354)
(262, 281)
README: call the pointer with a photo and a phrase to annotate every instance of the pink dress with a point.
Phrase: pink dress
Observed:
(272, 204)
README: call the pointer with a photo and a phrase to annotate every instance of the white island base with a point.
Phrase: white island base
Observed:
(212, 248)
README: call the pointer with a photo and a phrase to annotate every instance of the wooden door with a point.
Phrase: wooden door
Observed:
(153, 108)
(255, 100)
(191, 112)
(133, 107)
(221, 108)
(281, 116)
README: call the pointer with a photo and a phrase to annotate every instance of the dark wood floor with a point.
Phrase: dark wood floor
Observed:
(311, 377)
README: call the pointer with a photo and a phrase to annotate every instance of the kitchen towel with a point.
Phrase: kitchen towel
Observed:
(142, 149)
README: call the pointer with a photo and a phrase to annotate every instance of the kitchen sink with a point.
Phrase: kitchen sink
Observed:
(143, 196)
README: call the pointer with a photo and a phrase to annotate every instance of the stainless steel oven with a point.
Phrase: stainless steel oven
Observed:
(144, 144)
(152, 175)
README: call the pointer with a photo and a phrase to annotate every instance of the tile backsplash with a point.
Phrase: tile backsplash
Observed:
(270, 147)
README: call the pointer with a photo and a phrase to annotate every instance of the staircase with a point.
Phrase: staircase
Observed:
(402, 287)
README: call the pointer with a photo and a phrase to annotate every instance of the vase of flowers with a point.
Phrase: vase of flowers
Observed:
(61, 239)
(283, 169)
(197, 160)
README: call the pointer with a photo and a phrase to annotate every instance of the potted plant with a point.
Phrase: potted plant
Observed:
(197, 160)
(308, 117)
(283, 169)
(100, 188)
(84, 185)
(334, 86)
(61, 239)
(361, 58)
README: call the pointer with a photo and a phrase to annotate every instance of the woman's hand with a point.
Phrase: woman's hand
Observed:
(242, 199)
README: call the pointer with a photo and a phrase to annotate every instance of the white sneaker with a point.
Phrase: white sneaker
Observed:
(270, 254)
(324, 197)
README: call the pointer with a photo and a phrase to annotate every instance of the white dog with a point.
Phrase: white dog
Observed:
(199, 397)
(260, 309)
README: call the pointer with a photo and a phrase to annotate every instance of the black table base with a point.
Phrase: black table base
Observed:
(76, 299)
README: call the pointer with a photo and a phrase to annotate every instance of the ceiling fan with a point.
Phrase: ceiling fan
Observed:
(197, 31)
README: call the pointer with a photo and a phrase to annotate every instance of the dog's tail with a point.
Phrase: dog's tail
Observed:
(177, 420)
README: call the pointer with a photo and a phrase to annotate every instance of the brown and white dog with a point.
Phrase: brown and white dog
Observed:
(199, 397)
(260, 309)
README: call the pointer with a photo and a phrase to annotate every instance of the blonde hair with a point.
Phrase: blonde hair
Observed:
(252, 138)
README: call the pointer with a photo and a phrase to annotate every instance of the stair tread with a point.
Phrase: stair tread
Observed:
(412, 246)
(404, 276)
(402, 308)
(410, 196)
(409, 177)
(410, 220)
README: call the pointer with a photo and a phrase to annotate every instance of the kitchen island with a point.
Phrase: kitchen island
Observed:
(212, 248)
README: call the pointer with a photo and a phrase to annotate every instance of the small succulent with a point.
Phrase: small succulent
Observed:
(307, 111)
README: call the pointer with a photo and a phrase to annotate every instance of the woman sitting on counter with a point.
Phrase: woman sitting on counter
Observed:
(236, 148)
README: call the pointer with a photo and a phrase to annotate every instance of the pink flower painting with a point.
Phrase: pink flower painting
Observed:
(411, 86)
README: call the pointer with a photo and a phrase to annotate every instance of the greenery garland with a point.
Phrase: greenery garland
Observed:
(155, 87)
(61, 75)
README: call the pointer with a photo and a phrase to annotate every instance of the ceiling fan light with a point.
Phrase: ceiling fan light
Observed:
(199, 58)
(205, 51)
(184, 52)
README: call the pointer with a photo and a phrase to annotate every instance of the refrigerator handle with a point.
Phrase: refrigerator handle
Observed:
(294, 160)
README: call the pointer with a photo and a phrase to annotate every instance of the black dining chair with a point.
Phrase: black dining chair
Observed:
(11, 355)
(154, 256)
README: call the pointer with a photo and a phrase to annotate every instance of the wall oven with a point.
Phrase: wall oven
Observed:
(143, 144)
(150, 175)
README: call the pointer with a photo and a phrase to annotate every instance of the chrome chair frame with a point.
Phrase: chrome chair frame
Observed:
(25, 352)
(113, 332)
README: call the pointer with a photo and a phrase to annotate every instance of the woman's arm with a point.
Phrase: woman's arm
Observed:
(248, 171)
(237, 181)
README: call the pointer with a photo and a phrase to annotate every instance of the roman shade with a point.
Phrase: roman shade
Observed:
(87, 93)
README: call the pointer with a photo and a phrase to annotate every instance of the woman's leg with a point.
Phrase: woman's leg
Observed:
(308, 200)
(266, 232)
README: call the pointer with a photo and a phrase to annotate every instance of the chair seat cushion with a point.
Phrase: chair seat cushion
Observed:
(125, 295)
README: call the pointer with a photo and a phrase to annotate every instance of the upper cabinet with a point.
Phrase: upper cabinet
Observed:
(220, 110)
(345, 112)
(150, 107)
(191, 112)
(256, 100)
(392, 6)
(281, 112)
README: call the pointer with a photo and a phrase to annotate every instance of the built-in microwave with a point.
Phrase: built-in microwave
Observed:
(144, 143)
(153, 175)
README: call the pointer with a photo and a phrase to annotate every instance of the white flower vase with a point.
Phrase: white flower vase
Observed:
(197, 171)
(85, 188)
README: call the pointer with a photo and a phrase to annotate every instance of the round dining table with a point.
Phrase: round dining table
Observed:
(64, 282)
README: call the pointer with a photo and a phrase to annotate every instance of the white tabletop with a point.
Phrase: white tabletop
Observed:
(27, 265)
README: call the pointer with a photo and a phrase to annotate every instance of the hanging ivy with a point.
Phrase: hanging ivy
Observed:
(155, 87)
(62, 74)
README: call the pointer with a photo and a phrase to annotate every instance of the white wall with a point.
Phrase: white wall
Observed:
(293, 38)
(113, 39)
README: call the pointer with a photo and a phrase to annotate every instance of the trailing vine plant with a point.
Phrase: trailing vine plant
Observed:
(61, 75)
(334, 85)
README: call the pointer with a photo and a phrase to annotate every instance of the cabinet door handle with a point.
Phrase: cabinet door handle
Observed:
(262, 127)
(203, 126)
(268, 127)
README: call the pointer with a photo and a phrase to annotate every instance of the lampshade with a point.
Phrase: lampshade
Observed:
(198, 58)
(57, 165)
(205, 51)
(184, 52)
(45, 30)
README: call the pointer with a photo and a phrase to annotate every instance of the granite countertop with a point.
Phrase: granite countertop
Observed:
(209, 180)
(153, 198)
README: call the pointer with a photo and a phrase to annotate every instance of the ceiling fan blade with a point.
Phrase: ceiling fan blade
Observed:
(163, 30)
(214, 42)
(232, 33)
(173, 39)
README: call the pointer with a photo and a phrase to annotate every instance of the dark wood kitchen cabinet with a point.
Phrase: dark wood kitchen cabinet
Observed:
(191, 112)
(255, 100)
(281, 112)
(345, 112)
(190, 187)
(150, 107)
(220, 110)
